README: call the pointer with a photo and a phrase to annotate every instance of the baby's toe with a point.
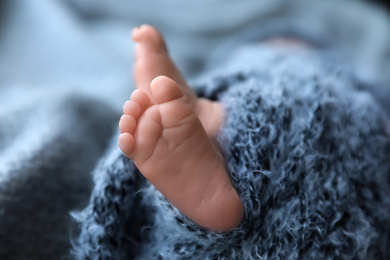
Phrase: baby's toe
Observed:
(132, 108)
(141, 99)
(165, 89)
(126, 143)
(127, 124)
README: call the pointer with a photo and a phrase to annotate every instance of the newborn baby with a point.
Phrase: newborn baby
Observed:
(169, 134)
(162, 124)
(283, 153)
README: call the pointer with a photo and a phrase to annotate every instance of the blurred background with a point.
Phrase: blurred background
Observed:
(73, 43)
(384, 3)
(66, 69)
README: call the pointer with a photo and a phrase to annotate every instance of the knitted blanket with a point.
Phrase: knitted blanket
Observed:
(307, 147)
(65, 71)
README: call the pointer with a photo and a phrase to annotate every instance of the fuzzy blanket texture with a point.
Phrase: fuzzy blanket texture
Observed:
(306, 137)
(308, 152)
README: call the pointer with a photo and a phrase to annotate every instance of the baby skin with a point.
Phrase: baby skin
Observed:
(169, 133)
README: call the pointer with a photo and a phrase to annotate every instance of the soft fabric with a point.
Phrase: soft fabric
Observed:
(307, 148)
(65, 71)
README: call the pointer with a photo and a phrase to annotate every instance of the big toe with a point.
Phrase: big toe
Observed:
(165, 89)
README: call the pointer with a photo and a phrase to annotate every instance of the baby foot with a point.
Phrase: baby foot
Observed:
(152, 60)
(167, 142)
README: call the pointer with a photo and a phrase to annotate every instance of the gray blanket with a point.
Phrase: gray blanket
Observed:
(65, 71)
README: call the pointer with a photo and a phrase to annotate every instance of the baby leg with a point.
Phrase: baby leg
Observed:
(164, 136)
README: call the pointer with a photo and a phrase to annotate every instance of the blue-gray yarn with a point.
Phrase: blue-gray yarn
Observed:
(307, 147)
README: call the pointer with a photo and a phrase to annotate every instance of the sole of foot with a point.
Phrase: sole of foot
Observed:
(164, 137)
